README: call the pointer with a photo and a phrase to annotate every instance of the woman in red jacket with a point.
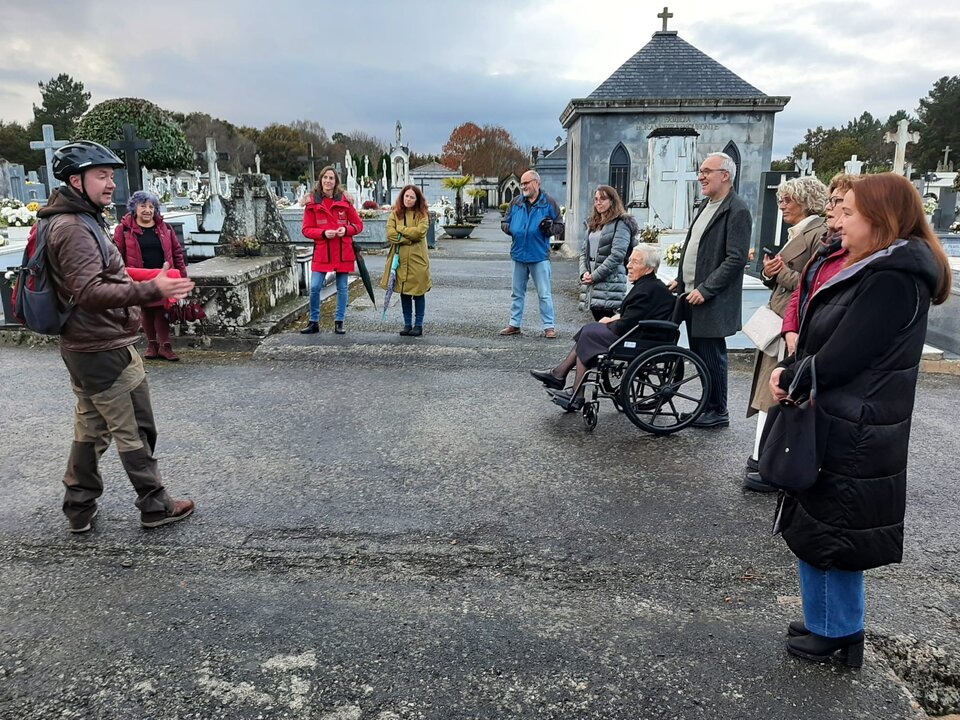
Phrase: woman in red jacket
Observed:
(146, 241)
(331, 222)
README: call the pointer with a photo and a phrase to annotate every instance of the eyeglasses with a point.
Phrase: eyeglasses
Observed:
(708, 171)
(528, 182)
(833, 201)
(785, 200)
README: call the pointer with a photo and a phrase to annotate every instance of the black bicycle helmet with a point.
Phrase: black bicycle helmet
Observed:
(77, 156)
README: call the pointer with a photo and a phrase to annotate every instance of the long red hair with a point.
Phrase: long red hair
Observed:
(894, 209)
(420, 208)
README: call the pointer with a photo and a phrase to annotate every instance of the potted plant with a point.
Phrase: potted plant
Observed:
(245, 245)
(503, 209)
(459, 228)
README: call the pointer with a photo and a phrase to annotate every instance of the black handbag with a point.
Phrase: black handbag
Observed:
(794, 437)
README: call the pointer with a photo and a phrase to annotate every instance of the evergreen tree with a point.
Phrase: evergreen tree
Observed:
(63, 101)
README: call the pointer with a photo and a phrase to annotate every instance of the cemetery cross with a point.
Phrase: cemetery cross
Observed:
(309, 160)
(901, 137)
(131, 146)
(48, 145)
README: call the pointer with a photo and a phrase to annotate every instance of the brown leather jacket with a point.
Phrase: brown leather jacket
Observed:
(106, 316)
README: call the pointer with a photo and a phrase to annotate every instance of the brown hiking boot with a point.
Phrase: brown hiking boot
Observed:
(152, 351)
(181, 509)
(167, 353)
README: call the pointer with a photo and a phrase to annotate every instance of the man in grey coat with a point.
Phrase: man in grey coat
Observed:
(711, 273)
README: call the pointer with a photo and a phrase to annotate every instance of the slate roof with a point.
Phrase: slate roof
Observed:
(668, 67)
(433, 167)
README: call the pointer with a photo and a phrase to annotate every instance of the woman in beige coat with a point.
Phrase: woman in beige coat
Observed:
(407, 235)
(802, 202)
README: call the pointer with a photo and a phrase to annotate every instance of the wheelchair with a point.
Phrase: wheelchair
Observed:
(660, 386)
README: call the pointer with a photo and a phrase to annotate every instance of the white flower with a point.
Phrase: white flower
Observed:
(17, 216)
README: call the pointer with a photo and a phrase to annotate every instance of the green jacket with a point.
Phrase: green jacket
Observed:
(408, 236)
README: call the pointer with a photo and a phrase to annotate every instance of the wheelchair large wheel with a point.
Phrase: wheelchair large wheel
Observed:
(665, 389)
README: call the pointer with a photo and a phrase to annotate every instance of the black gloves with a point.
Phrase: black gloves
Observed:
(546, 227)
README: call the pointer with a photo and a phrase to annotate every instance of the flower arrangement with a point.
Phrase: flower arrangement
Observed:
(672, 255)
(283, 203)
(370, 205)
(21, 216)
(370, 213)
(955, 228)
(930, 205)
(650, 234)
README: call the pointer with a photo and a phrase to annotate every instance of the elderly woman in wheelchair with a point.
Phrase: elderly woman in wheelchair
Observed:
(632, 358)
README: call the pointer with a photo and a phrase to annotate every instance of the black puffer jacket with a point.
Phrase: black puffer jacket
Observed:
(866, 328)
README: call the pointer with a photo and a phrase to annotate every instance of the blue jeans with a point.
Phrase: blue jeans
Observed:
(542, 275)
(832, 600)
(316, 285)
(407, 305)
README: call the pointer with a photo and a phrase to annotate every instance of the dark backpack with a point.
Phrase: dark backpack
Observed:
(36, 303)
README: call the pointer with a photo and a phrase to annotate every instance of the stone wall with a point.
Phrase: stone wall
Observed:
(593, 138)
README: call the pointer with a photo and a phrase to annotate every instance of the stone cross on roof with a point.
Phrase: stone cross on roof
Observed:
(48, 145)
(131, 146)
(665, 15)
(901, 137)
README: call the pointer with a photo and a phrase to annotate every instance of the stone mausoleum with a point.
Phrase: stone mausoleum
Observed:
(647, 127)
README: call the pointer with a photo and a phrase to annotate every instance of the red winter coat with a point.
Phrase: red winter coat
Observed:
(126, 238)
(321, 214)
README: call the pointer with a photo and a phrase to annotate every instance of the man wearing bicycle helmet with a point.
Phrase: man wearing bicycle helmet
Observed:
(97, 343)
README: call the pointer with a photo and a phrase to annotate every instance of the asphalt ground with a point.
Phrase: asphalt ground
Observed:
(398, 527)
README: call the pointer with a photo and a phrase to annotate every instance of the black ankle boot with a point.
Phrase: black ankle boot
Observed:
(311, 328)
(338, 327)
(417, 331)
(848, 650)
(797, 628)
(407, 330)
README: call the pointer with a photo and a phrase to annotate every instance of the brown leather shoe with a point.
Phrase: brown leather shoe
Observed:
(510, 330)
(167, 353)
(181, 509)
(550, 333)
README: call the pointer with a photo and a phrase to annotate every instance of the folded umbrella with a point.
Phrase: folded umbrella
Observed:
(391, 283)
(364, 275)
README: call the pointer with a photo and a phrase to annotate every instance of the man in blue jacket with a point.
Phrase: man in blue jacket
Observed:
(531, 221)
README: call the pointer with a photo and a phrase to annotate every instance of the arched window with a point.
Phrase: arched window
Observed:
(732, 150)
(620, 172)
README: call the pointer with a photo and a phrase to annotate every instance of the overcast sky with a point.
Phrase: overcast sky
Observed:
(433, 65)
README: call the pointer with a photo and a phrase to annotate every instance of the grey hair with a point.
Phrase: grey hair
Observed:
(650, 255)
(809, 192)
(533, 174)
(143, 196)
(728, 164)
